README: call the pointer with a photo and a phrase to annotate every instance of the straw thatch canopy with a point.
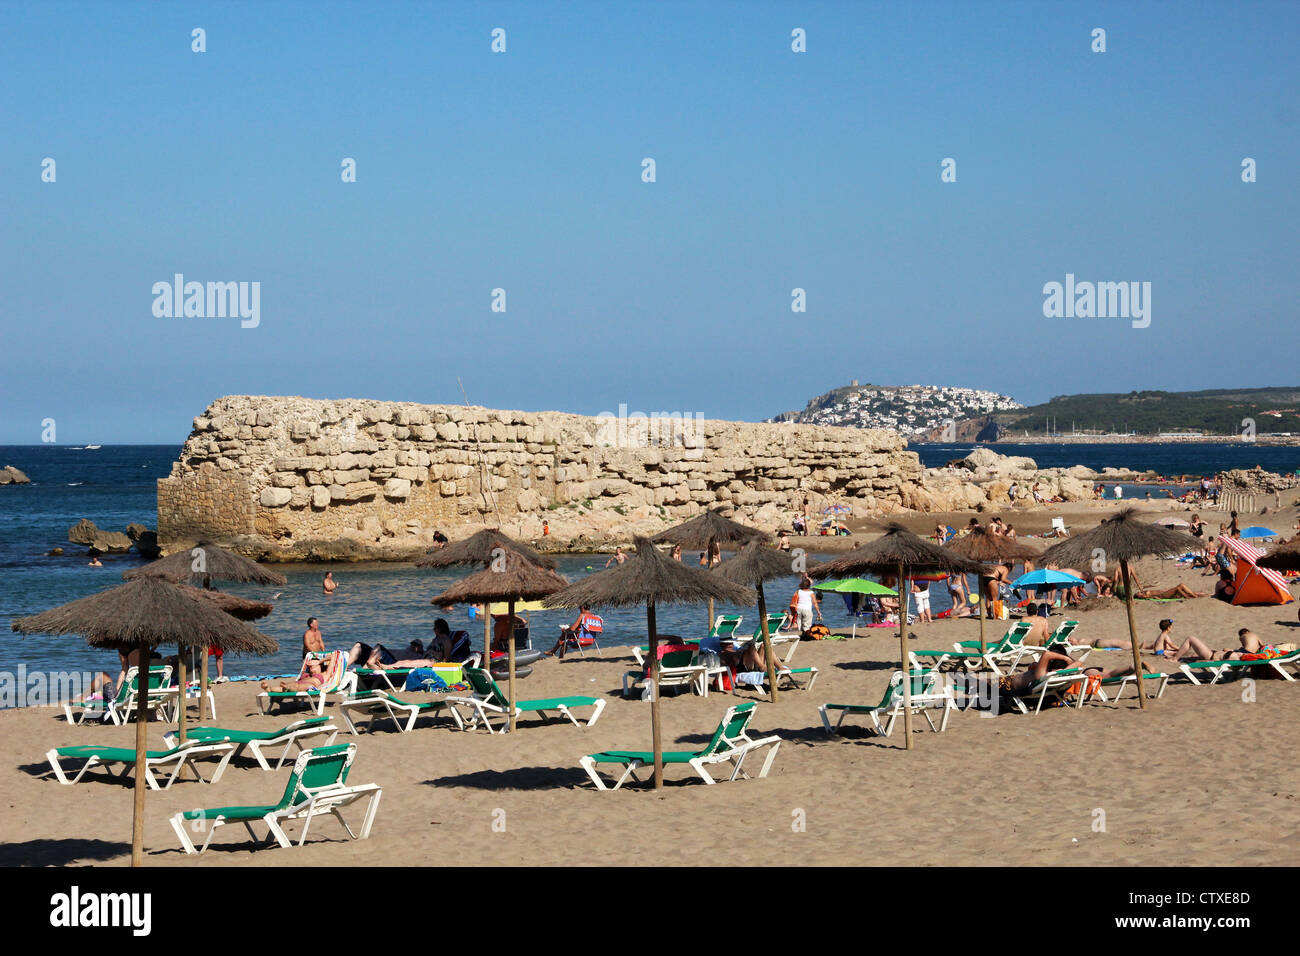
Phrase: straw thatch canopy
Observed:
(650, 577)
(896, 546)
(477, 549)
(755, 563)
(1123, 537)
(987, 548)
(519, 580)
(1285, 557)
(149, 611)
(232, 604)
(218, 564)
(712, 527)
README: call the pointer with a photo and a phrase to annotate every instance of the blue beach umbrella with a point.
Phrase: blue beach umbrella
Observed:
(1258, 531)
(1047, 579)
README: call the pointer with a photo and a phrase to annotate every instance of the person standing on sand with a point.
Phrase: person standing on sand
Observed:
(957, 592)
(805, 603)
(921, 595)
(312, 639)
(328, 585)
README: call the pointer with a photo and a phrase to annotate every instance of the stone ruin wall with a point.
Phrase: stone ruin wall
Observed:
(296, 468)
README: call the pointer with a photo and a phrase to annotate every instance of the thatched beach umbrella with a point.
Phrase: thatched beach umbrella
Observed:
(1122, 538)
(706, 531)
(650, 578)
(899, 552)
(1285, 557)
(480, 548)
(141, 615)
(201, 565)
(511, 577)
(752, 565)
(237, 607)
(987, 548)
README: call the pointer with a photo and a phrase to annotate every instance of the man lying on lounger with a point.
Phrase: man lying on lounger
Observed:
(1017, 685)
(1194, 649)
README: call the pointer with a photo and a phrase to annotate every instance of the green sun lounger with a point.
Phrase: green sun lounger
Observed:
(177, 759)
(1219, 669)
(380, 706)
(928, 692)
(1014, 635)
(487, 700)
(256, 741)
(730, 743)
(123, 705)
(317, 785)
(1161, 677)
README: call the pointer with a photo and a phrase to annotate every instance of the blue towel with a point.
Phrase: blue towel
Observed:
(424, 678)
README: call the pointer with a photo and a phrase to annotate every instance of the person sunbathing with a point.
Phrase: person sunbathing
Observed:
(1017, 685)
(382, 659)
(1157, 594)
(362, 655)
(1251, 647)
(311, 678)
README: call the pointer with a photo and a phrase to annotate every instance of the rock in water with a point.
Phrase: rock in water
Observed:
(111, 542)
(83, 532)
(146, 545)
(9, 475)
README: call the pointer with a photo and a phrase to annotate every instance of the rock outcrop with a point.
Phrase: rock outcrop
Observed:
(9, 475)
(296, 477)
(85, 532)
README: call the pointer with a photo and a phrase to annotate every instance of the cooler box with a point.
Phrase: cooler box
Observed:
(450, 673)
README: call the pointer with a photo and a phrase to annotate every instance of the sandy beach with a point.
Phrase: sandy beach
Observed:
(1009, 789)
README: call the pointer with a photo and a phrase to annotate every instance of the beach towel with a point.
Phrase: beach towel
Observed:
(425, 678)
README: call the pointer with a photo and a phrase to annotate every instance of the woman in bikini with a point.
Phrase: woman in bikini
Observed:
(311, 678)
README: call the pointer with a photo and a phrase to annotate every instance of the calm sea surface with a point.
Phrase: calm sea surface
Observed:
(115, 485)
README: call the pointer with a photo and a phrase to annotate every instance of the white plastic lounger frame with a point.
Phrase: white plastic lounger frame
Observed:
(314, 803)
(178, 759)
(935, 693)
(381, 706)
(482, 712)
(735, 756)
(292, 737)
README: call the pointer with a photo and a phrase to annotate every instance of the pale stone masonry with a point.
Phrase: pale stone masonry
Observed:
(292, 469)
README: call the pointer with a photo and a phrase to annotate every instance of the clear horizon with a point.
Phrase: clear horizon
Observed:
(775, 171)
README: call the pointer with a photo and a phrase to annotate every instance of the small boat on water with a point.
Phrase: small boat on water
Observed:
(93, 447)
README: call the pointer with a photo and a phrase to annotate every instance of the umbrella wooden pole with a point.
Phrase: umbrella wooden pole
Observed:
(709, 630)
(487, 638)
(656, 739)
(903, 587)
(510, 652)
(767, 642)
(141, 749)
(203, 686)
(1133, 632)
(980, 584)
(180, 700)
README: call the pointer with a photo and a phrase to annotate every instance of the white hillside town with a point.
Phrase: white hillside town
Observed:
(910, 410)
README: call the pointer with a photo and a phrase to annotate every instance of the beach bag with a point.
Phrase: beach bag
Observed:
(818, 632)
(1000, 610)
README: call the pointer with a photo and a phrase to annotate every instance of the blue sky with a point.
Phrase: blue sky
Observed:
(522, 171)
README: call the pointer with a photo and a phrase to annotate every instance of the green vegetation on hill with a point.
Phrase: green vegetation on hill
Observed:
(1214, 411)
